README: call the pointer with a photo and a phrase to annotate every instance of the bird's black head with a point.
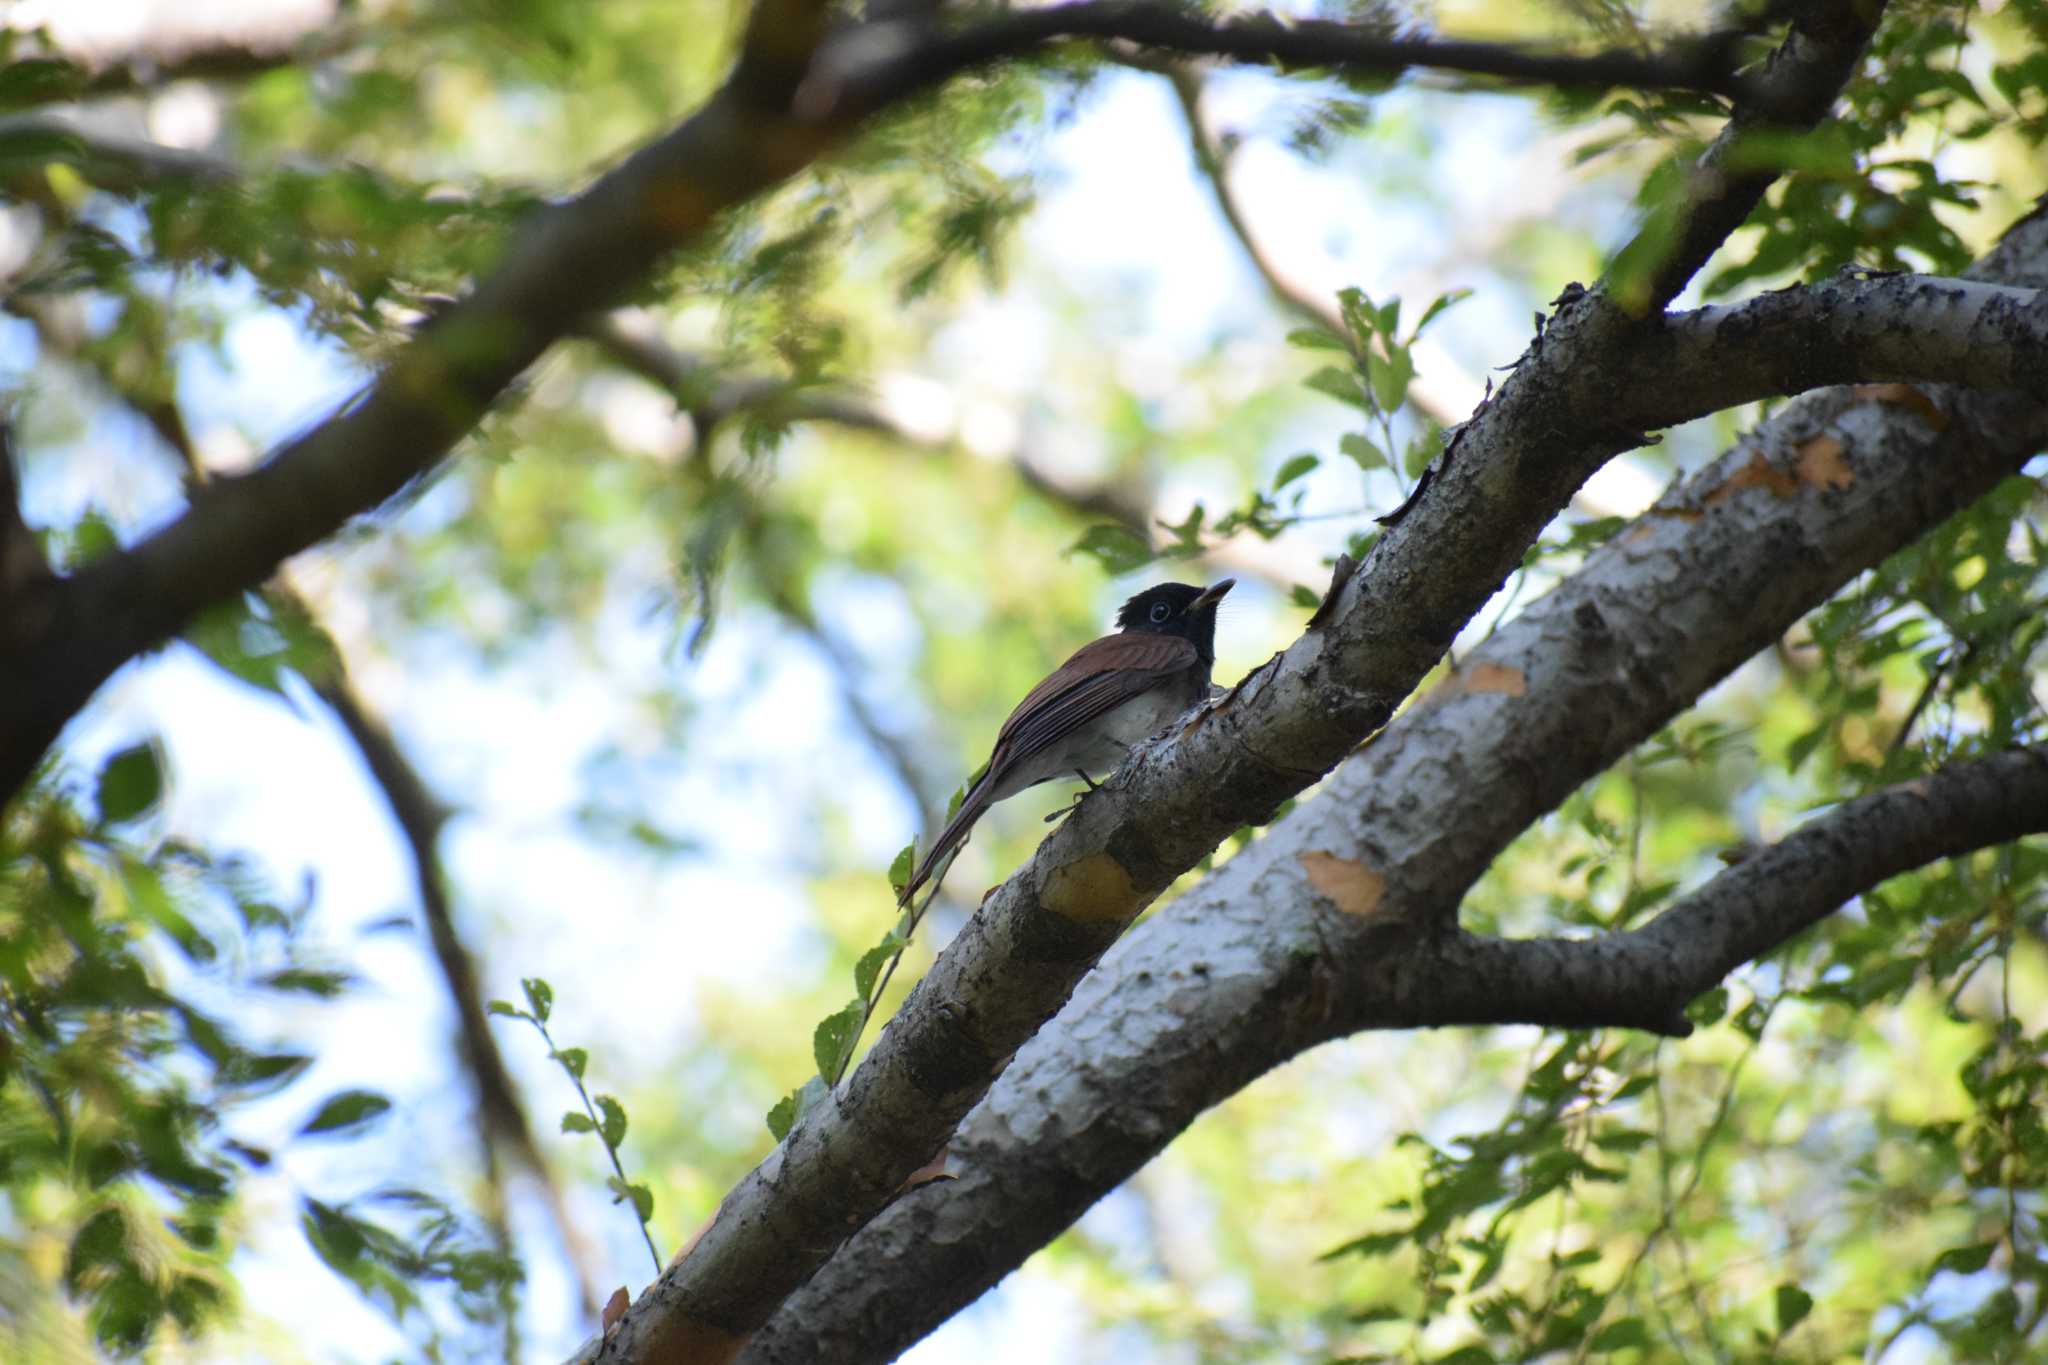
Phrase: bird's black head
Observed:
(1177, 609)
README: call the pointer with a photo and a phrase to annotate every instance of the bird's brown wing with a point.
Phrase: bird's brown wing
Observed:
(1101, 676)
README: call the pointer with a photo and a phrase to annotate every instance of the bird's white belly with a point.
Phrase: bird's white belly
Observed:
(1102, 748)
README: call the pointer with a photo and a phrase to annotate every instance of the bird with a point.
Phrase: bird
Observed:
(1112, 692)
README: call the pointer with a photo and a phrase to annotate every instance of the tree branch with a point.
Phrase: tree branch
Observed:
(1794, 91)
(1014, 963)
(1261, 961)
(1707, 63)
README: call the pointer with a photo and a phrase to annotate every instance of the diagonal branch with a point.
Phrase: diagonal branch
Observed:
(1015, 962)
(1794, 91)
(1338, 919)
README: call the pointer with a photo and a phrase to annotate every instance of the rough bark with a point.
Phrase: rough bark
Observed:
(1012, 966)
(1342, 917)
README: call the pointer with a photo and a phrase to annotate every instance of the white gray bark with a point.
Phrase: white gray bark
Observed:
(1262, 961)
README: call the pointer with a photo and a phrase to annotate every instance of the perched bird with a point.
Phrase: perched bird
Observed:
(1112, 693)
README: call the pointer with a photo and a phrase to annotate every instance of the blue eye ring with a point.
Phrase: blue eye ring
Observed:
(1160, 611)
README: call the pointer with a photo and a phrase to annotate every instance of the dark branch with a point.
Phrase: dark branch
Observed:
(1707, 64)
(22, 565)
(1794, 92)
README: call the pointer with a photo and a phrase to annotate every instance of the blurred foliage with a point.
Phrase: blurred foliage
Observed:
(772, 602)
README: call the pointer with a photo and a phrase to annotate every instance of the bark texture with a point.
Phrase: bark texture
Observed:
(1343, 916)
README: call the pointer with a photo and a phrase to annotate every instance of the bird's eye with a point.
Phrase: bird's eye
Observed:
(1160, 611)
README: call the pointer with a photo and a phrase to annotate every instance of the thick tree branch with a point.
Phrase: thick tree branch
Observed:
(1020, 956)
(1774, 895)
(1015, 962)
(1707, 63)
(1794, 91)
(1338, 919)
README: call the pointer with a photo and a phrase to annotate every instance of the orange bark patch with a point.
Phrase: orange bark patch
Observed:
(1758, 473)
(1824, 463)
(1504, 679)
(1090, 890)
(1499, 678)
(1351, 886)
(1906, 396)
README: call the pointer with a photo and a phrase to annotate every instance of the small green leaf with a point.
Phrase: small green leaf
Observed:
(131, 783)
(345, 1112)
(1316, 339)
(612, 1125)
(540, 997)
(1368, 455)
(642, 1198)
(1390, 378)
(871, 963)
(1442, 302)
(306, 981)
(1116, 549)
(904, 864)
(1966, 1260)
(1341, 385)
(1303, 597)
(781, 1116)
(833, 1039)
(573, 1060)
(1618, 1336)
(1295, 468)
(574, 1122)
(1794, 1304)
(506, 1009)
(1387, 317)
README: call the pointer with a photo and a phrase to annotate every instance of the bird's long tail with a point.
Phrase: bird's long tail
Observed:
(950, 838)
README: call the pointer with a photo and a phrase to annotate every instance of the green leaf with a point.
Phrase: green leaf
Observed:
(1621, 1334)
(1372, 1244)
(540, 997)
(1441, 302)
(1341, 385)
(346, 1112)
(1304, 597)
(833, 1039)
(904, 864)
(131, 783)
(781, 1116)
(1794, 1304)
(871, 963)
(506, 1009)
(1362, 450)
(1295, 468)
(1967, 1260)
(306, 981)
(1390, 376)
(261, 1073)
(641, 1197)
(612, 1124)
(574, 1121)
(1316, 339)
(1467, 1355)
(573, 1060)
(1116, 549)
